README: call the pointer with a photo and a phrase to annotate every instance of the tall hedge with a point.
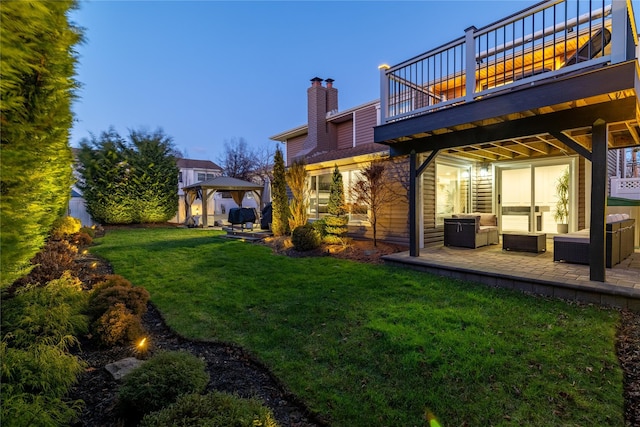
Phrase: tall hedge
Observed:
(37, 87)
(129, 181)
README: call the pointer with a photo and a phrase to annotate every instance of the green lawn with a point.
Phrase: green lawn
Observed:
(375, 345)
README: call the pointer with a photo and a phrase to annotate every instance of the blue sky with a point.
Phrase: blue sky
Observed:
(207, 72)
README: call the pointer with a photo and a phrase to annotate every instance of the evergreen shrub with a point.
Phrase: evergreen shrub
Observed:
(160, 381)
(39, 324)
(213, 409)
(50, 263)
(81, 239)
(65, 226)
(90, 231)
(320, 226)
(116, 289)
(118, 325)
(51, 314)
(305, 238)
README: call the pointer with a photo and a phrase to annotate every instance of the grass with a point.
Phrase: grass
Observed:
(376, 345)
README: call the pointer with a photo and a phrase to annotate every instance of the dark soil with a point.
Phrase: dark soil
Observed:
(231, 370)
(234, 370)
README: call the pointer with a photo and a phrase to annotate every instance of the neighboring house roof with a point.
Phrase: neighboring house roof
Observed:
(196, 164)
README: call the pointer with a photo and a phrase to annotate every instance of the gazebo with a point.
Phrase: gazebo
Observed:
(205, 189)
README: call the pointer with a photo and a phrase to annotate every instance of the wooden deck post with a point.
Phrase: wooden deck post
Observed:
(597, 260)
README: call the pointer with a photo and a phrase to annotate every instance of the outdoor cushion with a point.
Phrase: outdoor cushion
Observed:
(488, 220)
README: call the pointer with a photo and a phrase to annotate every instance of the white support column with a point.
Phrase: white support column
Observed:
(619, 31)
(470, 63)
(384, 93)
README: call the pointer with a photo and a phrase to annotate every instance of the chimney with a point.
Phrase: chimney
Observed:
(332, 96)
(320, 134)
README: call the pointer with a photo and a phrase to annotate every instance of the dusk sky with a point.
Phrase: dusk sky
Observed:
(207, 72)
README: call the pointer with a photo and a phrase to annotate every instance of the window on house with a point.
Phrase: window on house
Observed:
(203, 176)
(180, 176)
(319, 191)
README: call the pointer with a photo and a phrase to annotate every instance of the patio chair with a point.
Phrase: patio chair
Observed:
(471, 230)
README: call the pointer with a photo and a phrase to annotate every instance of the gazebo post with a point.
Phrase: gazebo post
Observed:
(204, 207)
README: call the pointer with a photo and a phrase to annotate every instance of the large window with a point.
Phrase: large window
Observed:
(319, 189)
(452, 191)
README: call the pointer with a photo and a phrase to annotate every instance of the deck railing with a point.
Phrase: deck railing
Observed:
(551, 38)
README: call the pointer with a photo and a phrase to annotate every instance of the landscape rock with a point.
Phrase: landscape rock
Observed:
(122, 367)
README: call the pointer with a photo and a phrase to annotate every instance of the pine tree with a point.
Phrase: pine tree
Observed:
(37, 86)
(280, 202)
(336, 221)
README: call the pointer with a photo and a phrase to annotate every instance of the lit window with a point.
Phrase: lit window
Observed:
(319, 191)
(452, 191)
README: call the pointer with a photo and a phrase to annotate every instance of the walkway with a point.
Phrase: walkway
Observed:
(530, 272)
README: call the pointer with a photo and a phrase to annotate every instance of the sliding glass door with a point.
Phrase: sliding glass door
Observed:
(526, 196)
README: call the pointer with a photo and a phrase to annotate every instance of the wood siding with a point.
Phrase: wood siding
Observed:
(433, 235)
(345, 134)
(294, 145)
(365, 119)
(393, 218)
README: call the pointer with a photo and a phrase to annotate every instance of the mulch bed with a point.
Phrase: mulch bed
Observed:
(234, 370)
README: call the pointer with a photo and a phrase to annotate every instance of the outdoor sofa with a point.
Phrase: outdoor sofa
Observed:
(471, 230)
(574, 247)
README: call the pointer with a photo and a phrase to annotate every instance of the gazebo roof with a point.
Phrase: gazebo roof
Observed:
(225, 183)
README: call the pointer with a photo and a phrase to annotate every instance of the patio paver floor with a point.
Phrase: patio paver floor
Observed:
(532, 272)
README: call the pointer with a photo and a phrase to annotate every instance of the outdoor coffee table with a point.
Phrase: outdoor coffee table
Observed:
(525, 242)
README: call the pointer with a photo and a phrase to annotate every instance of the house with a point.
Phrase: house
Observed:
(489, 122)
(511, 106)
(345, 139)
(192, 171)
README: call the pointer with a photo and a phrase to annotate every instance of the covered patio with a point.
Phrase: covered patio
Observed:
(534, 273)
(548, 84)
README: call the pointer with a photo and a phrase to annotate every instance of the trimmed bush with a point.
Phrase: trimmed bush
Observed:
(65, 226)
(305, 238)
(116, 289)
(50, 263)
(320, 226)
(81, 239)
(118, 326)
(160, 381)
(213, 409)
(90, 231)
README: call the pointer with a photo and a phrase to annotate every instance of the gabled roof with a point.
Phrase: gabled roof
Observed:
(335, 117)
(197, 164)
(225, 183)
